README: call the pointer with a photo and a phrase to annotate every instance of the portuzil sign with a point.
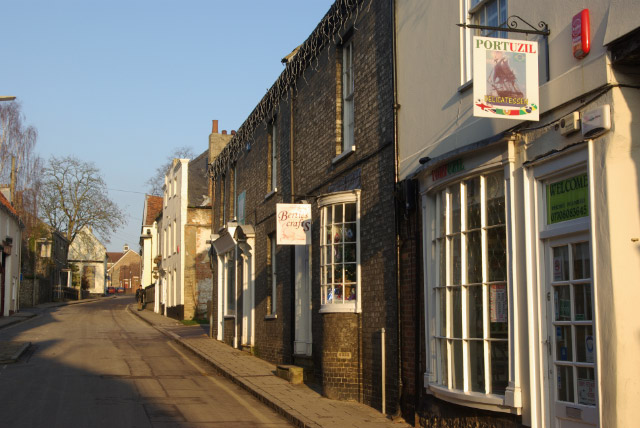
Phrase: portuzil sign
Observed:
(505, 79)
(293, 224)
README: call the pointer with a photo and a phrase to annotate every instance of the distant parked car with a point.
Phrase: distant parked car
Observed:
(120, 290)
(111, 290)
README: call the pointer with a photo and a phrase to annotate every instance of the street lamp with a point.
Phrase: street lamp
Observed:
(7, 98)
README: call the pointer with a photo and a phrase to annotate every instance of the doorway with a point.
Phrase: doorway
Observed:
(303, 341)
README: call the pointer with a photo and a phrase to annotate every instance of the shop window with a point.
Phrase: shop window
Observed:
(470, 285)
(340, 252)
(480, 12)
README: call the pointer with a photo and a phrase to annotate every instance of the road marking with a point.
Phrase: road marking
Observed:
(249, 406)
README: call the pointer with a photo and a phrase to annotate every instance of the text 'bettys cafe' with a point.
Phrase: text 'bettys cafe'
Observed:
(505, 78)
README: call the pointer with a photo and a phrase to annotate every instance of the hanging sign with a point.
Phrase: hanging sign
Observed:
(293, 225)
(505, 79)
(568, 199)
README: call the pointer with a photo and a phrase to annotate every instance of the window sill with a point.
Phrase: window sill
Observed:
(329, 308)
(271, 317)
(495, 403)
(465, 86)
(343, 155)
(271, 193)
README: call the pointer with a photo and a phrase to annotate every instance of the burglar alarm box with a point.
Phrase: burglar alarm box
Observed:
(581, 34)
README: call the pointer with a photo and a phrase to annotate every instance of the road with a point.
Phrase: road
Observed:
(98, 365)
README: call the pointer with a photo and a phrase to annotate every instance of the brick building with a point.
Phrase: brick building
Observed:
(124, 271)
(322, 135)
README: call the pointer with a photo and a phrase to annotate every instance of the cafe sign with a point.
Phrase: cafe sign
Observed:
(568, 199)
(293, 224)
(505, 79)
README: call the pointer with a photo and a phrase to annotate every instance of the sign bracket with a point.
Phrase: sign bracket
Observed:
(512, 27)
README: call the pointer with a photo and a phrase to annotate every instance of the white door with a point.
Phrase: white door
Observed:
(571, 334)
(247, 300)
(302, 343)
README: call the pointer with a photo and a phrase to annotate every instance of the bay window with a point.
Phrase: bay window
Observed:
(340, 252)
(469, 285)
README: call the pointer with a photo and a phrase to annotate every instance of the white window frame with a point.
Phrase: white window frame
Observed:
(434, 381)
(325, 202)
(474, 12)
(348, 87)
(273, 134)
(273, 279)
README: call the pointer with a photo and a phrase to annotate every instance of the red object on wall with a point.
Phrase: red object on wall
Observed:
(581, 34)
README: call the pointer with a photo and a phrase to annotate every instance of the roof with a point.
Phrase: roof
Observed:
(9, 208)
(153, 208)
(113, 257)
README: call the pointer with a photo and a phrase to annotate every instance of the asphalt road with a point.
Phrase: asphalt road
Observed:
(97, 365)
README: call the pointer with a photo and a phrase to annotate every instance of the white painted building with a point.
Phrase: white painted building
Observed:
(149, 245)
(174, 217)
(531, 230)
(90, 256)
(10, 252)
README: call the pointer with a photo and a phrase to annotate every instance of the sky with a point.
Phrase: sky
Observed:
(123, 84)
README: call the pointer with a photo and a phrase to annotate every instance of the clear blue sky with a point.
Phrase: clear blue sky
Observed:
(124, 83)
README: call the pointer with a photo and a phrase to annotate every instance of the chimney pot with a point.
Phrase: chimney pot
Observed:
(224, 132)
(233, 132)
(215, 126)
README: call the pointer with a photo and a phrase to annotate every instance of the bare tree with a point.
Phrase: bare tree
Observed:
(156, 181)
(74, 195)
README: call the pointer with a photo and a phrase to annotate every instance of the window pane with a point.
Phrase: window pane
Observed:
(441, 294)
(444, 359)
(561, 263)
(350, 212)
(442, 273)
(562, 303)
(455, 208)
(586, 386)
(338, 254)
(350, 292)
(337, 214)
(456, 261)
(474, 257)
(581, 261)
(565, 383)
(350, 272)
(231, 298)
(350, 232)
(499, 366)
(499, 310)
(475, 312)
(495, 199)
(585, 350)
(476, 360)
(329, 213)
(497, 254)
(564, 346)
(337, 234)
(327, 237)
(582, 304)
(458, 368)
(337, 273)
(443, 207)
(473, 203)
(337, 293)
(456, 312)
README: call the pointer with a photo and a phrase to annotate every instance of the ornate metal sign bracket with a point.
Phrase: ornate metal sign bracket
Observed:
(512, 27)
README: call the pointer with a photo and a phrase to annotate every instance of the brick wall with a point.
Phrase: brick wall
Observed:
(346, 346)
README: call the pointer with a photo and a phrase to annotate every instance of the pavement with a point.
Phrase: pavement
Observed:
(300, 404)
(10, 351)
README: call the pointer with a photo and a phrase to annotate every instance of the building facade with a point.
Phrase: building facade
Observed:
(89, 256)
(526, 233)
(124, 273)
(11, 240)
(148, 239)
(322, 137)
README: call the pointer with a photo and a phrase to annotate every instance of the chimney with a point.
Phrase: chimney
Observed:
(125, 248)
(224, 132)
(233, 132)
(215, 126)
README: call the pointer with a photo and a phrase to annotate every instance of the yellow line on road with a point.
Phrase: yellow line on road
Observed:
(249, 406)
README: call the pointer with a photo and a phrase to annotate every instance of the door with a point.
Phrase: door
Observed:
(571, 334)
(246, 280)
(302, 343)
